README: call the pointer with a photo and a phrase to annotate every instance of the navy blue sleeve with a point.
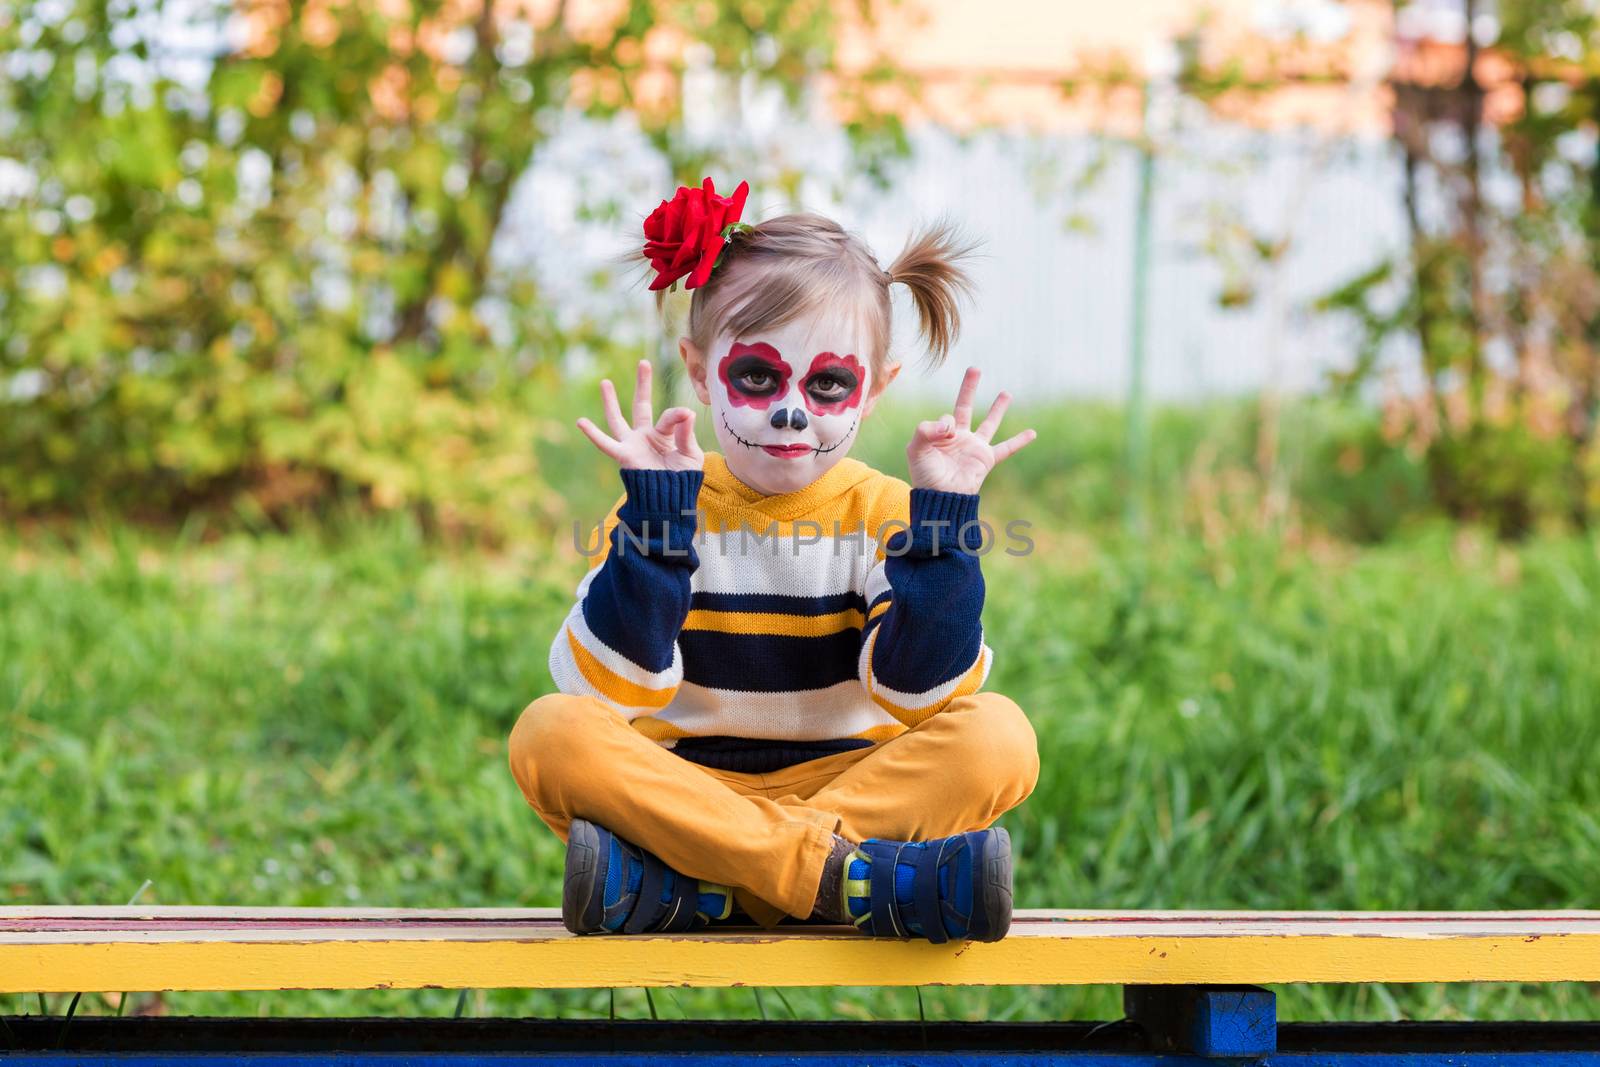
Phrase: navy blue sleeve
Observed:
(923, 640)
(637, 603)
(620, 639)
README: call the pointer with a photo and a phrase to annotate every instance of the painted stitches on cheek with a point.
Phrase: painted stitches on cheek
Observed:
(754, 375)
(833, 384)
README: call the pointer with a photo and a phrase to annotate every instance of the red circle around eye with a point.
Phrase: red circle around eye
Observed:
(824, 361)
(773, 363)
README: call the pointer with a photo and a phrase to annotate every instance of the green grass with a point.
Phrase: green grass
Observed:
(1243, 721)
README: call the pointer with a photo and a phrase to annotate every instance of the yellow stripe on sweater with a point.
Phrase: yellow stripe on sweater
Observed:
(968, 685)
(879, 510)
(613, 685)
(658, 729)
(772, 622)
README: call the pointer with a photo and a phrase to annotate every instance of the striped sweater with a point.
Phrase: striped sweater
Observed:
(751, 632)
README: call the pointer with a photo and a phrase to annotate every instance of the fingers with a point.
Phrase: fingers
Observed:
(613, 410)
(932, 430)
(675, 430)
(683, 435)
(991, 421)
(964, 398)
(641, 397)
(1012, 445)
(668, 419)
(601, 441)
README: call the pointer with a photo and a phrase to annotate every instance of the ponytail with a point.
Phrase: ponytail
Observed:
(930, 266)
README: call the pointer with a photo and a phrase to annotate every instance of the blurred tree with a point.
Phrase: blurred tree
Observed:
(1496, 122)
(1167, 106)
(247, 249)
(1494, 387)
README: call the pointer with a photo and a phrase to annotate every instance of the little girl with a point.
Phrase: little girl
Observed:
(770, 682)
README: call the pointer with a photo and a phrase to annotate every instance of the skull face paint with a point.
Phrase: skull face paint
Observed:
(753, 375)
(779, 429)
(834, 384)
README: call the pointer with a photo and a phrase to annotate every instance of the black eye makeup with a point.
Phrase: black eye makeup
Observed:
(753, 373)
(754, 376)
(833, 384)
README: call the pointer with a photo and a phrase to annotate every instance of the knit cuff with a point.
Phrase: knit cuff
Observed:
(944, 522)
(662, 493)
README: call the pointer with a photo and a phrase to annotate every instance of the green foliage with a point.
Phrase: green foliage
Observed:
(1343, 474)
(1356, 482)
(1507, 476)
(265, 274)
(1077, 470)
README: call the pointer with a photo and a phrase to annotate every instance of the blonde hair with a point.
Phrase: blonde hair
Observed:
(785, 266)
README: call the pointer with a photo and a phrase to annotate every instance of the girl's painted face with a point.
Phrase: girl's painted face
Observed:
(786, 405)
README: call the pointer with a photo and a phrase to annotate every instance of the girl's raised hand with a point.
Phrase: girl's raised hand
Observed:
(647, 444)
(947, 454)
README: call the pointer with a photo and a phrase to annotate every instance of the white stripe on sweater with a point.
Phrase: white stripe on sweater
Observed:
(734, 563)
(841, 710)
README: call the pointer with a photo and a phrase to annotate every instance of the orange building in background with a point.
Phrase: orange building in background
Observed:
(1327, 65)
(1074, 65)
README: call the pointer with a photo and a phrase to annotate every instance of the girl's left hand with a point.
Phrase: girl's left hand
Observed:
(948, 455)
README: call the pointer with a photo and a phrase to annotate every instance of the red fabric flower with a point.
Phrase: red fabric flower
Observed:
(685, 234)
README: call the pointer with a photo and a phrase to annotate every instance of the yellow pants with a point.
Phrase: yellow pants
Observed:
(768, 835)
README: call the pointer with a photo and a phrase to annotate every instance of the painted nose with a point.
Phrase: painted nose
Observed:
(793, 418)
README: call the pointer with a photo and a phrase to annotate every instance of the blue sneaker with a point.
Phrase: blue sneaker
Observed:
(614, 887)
(951, 888)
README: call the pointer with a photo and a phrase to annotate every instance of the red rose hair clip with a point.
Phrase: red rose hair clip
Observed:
(687, 234)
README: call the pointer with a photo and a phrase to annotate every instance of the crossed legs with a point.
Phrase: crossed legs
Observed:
(769, 835)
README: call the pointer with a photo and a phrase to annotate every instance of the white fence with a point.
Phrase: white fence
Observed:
(1054, 311)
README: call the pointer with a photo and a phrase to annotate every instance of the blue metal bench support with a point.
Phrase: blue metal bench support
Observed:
(1239, 1020)
(177, 1041)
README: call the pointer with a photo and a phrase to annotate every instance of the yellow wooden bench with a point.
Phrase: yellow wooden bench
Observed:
(1192, 980)
(71, 949)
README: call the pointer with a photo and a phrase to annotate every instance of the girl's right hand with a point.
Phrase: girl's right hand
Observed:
(669, 444)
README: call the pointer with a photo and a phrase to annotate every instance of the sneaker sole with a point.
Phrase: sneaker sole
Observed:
(581, 905)
(996, 884)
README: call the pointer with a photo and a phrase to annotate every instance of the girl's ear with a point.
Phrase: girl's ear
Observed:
(879, 384)
(694, 361)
